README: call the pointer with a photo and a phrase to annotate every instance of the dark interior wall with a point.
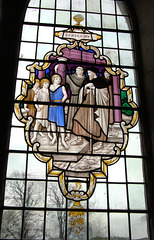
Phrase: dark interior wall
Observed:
(11, 13)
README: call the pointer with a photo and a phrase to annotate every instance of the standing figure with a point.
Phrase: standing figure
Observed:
(75, 82)
(93, 122)
(29, 109)
(42, 110)
(56, 115)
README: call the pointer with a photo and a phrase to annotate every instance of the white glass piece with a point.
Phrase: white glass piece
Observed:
(126, 58)
(108, 21)
(125, 40)
(45, 34)
(36, 169)
(42, 49)
(11, 224)
(99, 197)
(116, 172)
(61, 4)
(78, 5)
(93, 20)
(47, 3)
(34, 3)
(55, 199)
(117, 196)
(93, 6)
(119, 225)
(29, 33)
(131, 79)
(16, 165)
(14, 193)
(108, 6)
(33, 224)
(62, 17)
(47, 16)
(139, 225)
(135, 169)
(136, 193)
(17, 143)
(31, 15)
(123, 23)
(98, 225)
(55, 225)
(22, 71)
(35, 194)
(134, 145)
(112, 54)
(121, 9)
(27, 50)
(110, 39)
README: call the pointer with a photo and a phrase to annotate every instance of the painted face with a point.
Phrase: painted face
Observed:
(91, 74)
(79, 71)
(46, 84)
(57, 80)
(37, 85)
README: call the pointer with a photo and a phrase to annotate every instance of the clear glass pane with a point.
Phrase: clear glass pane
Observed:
(108, 6)
(55, 198)
(11, 224)
(127, 58)
(36, 169)
(117, 196)
(112, 54)
(98, 225)
(61, 4)
(29, 33)
(109, 21)
(135, 169)
(120, 7)
(116, 172)
(17, 143)
(47, 16)
(45, 34)
(27, 50)
(15, 121)
(136, 194)
(16, 165)
(33, 225)
(139, 226)
(23, 73)
(42, 49)
(62, 17)
(55, 225)
(134, 145)
(119, 226)
(131, 79)
(99, 197)
(93, 20)
(110, 39)
(125, 40)
(78, 5)
(34, 3)
(123, 23)
(31, 15)
(93, 7)
(47, 4)
(14, 193)
(35, 194)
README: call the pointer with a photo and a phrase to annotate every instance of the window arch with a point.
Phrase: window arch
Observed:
(42, 20)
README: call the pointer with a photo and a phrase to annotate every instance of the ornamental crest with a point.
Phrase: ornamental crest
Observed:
(77, 112)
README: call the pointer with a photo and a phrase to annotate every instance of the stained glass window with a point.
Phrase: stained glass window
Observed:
(75, 163)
